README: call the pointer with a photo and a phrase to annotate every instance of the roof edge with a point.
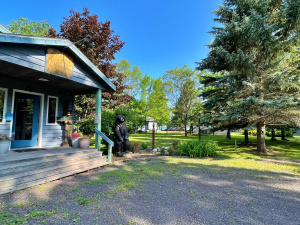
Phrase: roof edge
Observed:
(3, 29)
(46, 41)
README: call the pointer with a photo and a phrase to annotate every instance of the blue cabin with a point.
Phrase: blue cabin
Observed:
(39, 78)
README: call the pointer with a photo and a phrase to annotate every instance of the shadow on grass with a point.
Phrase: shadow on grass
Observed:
(165, 190)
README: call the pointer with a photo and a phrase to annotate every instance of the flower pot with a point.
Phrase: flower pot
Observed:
(84, 143)
(4, 146)
(75, 142)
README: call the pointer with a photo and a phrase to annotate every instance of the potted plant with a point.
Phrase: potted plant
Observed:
(75, 139)
(85, 140)
(5, 142)
(88, 129)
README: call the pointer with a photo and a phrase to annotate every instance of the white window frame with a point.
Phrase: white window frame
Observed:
(56, 111)
(4, 105)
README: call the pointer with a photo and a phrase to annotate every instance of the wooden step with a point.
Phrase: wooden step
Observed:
(42, 163)
(25, 158)
(19, 178)
(51, 178)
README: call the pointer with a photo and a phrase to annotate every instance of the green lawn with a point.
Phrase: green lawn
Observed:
(244, 170)
(280, 149)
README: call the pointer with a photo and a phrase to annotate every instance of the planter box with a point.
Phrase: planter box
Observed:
(4, 146)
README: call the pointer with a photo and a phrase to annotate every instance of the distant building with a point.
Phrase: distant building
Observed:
(149, 125)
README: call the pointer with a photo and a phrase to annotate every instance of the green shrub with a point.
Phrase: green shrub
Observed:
(287, 132)
(162, 152)
(171, 151)
(135, 146)
(175, 143)
(144, 145)
(250, 132)
(197, 148)
(87, 127)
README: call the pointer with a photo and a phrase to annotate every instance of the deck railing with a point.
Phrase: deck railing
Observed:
(110, 144)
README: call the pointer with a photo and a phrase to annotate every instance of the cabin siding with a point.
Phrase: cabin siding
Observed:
(34, 57)
(52, 135)
(83, 76)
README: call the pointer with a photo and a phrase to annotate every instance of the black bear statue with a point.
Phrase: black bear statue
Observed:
(121, 136)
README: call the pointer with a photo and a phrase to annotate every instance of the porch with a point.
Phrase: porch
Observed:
(20, 170)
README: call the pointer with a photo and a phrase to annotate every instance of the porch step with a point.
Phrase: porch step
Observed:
(42, 169)
(41, 163)
(30, 157)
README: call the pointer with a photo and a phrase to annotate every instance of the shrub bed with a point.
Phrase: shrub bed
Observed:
(197, 148)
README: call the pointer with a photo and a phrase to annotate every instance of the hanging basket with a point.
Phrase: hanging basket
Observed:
(4, 146)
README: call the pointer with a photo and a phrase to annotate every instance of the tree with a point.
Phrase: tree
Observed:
(250, 49)
(134, 77)
(140, 87)
(98, 42)
(187, 100)
(175, 79)
(25, 27)
(85, 106)
(158, 103)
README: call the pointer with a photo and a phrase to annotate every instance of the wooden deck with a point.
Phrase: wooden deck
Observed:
(12, 155)
(27, 169)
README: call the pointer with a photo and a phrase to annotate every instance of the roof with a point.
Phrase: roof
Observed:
(3, 29)
(46, 41)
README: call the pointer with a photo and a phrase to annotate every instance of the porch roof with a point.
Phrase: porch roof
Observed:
(64, 45)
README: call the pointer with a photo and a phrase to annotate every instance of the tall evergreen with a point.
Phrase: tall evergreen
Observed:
(252, 50)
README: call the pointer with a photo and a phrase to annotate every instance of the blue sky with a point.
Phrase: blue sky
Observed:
(158, 35)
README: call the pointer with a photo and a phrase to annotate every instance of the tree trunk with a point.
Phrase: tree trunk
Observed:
(246, 142)
(185, 131)
(273, 135)
(191, 130)
(283, 135)
(228, 136)
(261, 142)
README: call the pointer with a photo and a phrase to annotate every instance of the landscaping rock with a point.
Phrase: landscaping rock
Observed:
(154, 150)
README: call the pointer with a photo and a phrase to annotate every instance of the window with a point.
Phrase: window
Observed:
(3, 100)
(52, 110)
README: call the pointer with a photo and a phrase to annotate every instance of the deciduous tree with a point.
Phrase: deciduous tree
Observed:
(187, 100)
(158, 103)
(98, 42)
(26, 27)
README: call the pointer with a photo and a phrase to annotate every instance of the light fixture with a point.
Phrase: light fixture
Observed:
(42, 79)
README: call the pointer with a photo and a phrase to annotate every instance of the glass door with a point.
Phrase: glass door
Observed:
(25, 124)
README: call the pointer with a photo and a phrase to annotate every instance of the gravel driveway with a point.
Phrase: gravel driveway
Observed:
(157, 190)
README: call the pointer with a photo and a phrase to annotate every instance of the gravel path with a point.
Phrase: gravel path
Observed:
(150, 190)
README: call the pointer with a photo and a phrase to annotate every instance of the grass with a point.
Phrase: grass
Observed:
(136, 175)
(281, 149)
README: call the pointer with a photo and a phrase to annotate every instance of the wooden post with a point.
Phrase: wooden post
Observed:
(98, 115)
(235, 146)
(153, 137)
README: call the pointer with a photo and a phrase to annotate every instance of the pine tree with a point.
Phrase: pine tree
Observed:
(252, 49)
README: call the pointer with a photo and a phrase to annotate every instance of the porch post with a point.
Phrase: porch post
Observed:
(98, 114)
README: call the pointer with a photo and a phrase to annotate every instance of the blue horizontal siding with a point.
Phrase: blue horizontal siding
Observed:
(22, 56)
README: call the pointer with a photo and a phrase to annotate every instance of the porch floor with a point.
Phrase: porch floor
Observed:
(12, 156)
(27, 169)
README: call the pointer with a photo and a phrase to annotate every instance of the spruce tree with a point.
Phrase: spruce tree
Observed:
(252, 51)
